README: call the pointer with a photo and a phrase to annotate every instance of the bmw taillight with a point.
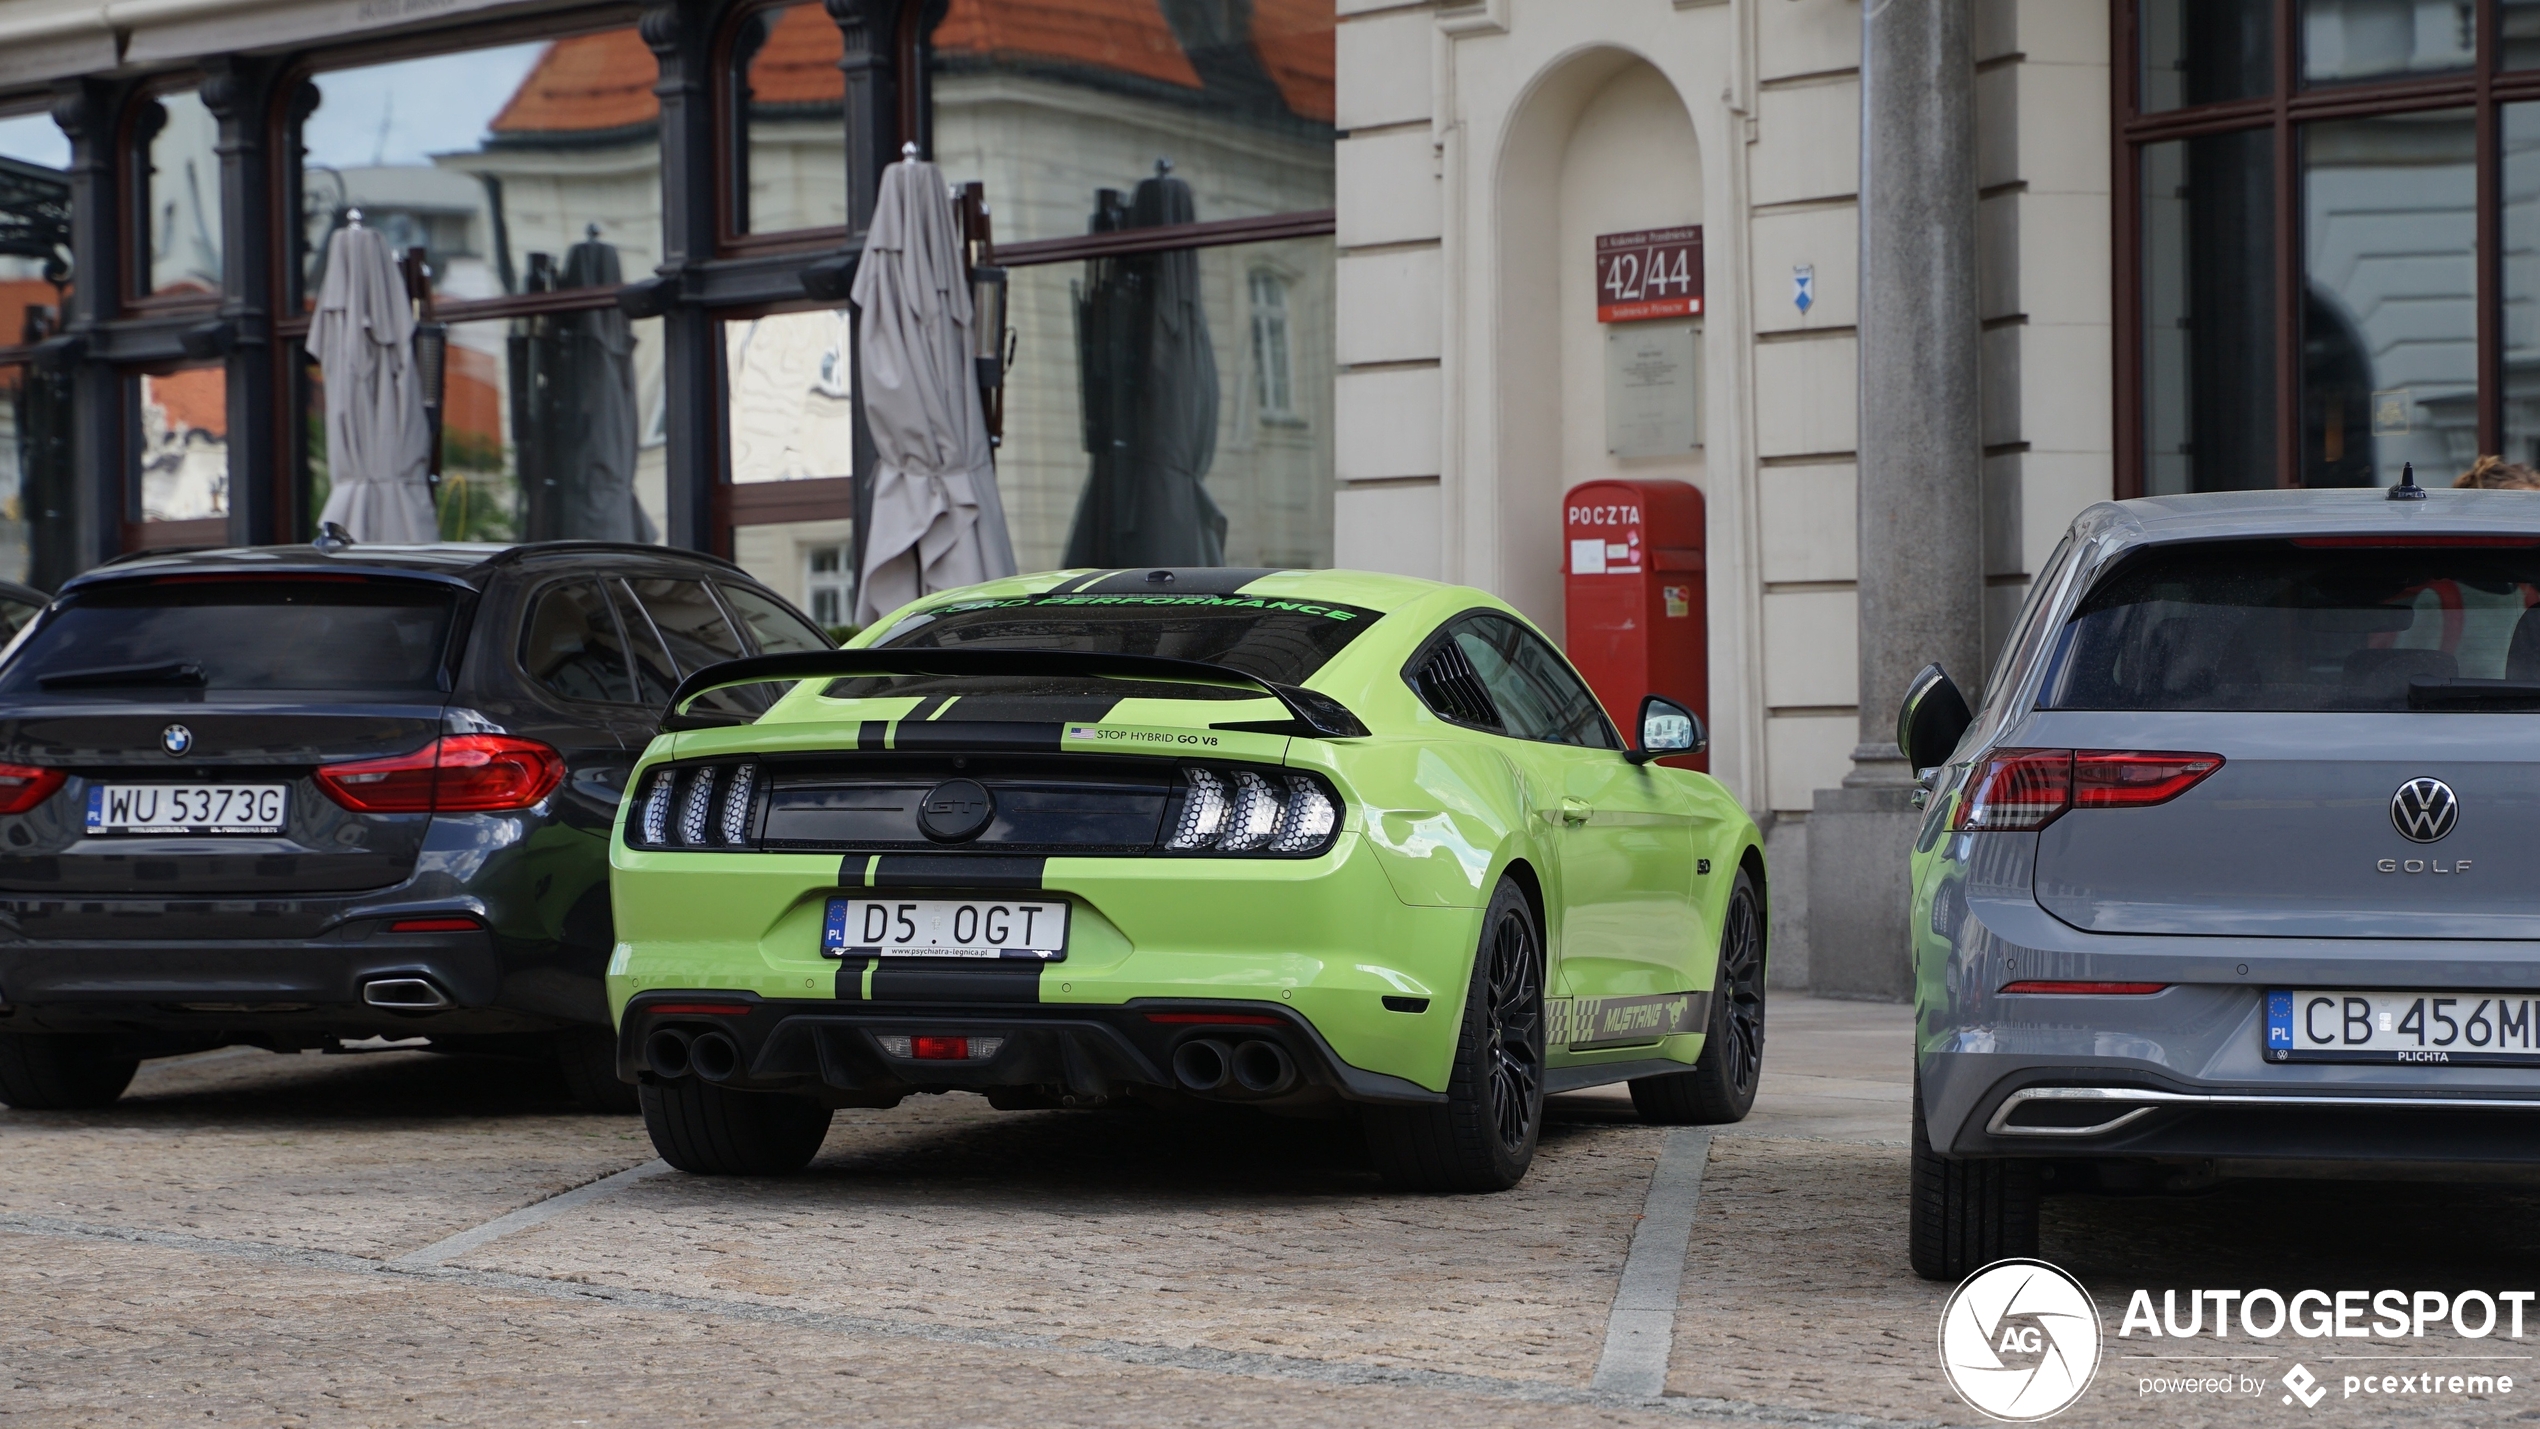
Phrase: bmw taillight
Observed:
(1251, 811)
(23, 786)
(455, 774)
(2024, 789)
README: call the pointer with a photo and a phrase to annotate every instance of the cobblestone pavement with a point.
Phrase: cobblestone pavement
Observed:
(243, 1238)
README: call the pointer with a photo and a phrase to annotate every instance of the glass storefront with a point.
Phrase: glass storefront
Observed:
(2388, 315)
(181, 429)
(791, 163)
(179, 196)
(35, 280)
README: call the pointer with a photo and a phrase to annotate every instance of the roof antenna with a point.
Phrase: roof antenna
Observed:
(332, 538)
(2407, 489)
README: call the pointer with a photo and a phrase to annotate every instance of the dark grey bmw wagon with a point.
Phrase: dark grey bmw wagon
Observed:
(2236, 871)
(292, 797)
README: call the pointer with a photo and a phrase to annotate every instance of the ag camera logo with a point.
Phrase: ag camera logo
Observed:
(2019, 1340)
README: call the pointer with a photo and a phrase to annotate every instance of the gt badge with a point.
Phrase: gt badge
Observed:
(176, 739)
(2424, 810)
(954, 810)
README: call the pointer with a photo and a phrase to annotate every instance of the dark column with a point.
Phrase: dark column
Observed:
(86, 110)
(1921, 583)
(681, 33)
(239, 94)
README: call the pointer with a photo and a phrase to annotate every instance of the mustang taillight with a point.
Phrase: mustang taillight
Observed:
(1251, 811)
(2023, 789)
(455, 774)
(694, 806)
(23, 786)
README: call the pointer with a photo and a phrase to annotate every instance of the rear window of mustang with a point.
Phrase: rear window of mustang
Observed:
(232, 633)
(1275, 638)
(2325, 623)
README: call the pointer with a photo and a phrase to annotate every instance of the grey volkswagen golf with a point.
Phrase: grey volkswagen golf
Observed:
(2233, 873)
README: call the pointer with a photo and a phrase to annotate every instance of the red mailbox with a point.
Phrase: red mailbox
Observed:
(1633, 583)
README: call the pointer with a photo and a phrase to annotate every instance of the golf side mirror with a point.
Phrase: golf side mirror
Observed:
(1666, 728)
(1932, 718)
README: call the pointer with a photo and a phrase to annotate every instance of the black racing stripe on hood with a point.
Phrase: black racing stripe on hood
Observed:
(1186, 580)
(996, 872)
(956, 980)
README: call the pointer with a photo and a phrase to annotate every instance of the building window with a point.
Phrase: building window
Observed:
(1274, 374)
(182, 422)
(2334, 281)
(36, 496)
(784, 101)
(826, 585)
(178, 192)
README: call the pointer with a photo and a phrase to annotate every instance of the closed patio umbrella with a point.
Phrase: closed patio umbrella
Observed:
(1150, 389)
(937, 520)
(377, 443)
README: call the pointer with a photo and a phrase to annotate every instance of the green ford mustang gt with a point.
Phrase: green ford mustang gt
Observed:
(1320, 842)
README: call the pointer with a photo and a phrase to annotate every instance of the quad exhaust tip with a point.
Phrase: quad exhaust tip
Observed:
(714, 1056)
(404, 994)
(1257, 1068)
(666, 1052)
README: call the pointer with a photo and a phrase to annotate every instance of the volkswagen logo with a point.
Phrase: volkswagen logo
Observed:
(2425, 809)
(955, 810)
(176, 739)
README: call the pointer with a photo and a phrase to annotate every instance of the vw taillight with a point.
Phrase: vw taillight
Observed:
(2024, 789)
(455, 774)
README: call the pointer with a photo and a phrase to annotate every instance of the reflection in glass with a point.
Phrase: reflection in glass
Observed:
(2205, 51)
(2521, 27)
(2209, 314)
(179, 144)
(2348, 40)
(184, 441)
(496, 162)
(2519, 138)
(1269, 473)
(2390, 312)
(787, 94)
(35, 275)
(1239, 97)
(551, 427)
(793, 413)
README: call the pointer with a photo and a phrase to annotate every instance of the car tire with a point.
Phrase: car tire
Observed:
(1482, 1138)
(708, 1130)
(1720, 1087)
(1969, 1211)
(61, 1073)
(586, 1057)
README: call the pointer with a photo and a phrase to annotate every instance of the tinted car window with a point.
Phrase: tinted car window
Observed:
(777, 630)
(254, 633)
(2296, 625)
(655, 674)
(689, 621)
(1282, 640)
(14, 614)
(571, 645)
(1536, 694)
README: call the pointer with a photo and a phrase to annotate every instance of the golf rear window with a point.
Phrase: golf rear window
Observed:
(2328, 623)
(1275, 638)
(222, 633)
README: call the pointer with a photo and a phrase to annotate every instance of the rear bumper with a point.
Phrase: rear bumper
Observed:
(1066, 1053)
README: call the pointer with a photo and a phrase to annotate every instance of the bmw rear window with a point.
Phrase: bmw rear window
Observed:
(1275, 638)
(2324, 623)
(232, 633)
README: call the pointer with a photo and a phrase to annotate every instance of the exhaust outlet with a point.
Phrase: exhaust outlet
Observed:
(406, 994)
(666, 1052)
(714, 1056)
(1263, 1067)
(1200, 1065)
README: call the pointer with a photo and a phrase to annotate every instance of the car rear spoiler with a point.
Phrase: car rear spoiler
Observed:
(1312, 715)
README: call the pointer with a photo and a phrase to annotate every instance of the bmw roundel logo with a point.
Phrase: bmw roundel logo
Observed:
(176, 739)
(2424, 810)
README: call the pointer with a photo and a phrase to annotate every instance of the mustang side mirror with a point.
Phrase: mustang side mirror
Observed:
(1666, 728)
(1932, 718)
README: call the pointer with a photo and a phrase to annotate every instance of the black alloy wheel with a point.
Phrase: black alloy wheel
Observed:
(1720, 1087)
(1482, 1136)
(1512, 1031)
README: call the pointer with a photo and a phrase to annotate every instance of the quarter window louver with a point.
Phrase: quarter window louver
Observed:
(1451, 687)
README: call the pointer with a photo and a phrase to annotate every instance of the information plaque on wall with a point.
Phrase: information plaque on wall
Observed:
(1653, 389)
(1649, 273)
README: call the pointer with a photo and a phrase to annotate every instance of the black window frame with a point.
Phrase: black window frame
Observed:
(1444, 636)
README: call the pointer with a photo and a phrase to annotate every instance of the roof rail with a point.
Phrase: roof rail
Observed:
(525, 549)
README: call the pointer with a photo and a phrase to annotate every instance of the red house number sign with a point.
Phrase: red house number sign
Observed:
(1654, 273)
